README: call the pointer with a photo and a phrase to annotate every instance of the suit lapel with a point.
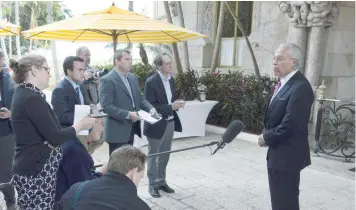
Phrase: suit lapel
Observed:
(130, 79)
(121, 84)
(274, 101)
(70, 87)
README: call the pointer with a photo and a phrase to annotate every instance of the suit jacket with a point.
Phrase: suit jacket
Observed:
(286, 125)
(116, 102)
(156, 95)
(113, 191)
(75, 166)
(64, 99)
(8, 87)
(7, 91)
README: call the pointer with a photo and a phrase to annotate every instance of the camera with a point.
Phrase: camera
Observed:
(97, 74)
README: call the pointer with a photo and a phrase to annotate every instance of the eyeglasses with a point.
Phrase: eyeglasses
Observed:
(280, 58)
(46, 68)
(168, 63)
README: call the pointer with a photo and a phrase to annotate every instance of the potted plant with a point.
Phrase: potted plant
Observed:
(202, 92)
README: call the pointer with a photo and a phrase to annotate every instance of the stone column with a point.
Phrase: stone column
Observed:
(316, 56)
(205, 25)
(298, 30)
(312, 17)
(320, 17)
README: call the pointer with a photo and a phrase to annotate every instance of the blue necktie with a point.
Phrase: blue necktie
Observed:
(78, 95)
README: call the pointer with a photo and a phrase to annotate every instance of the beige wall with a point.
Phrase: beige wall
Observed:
(339, 66)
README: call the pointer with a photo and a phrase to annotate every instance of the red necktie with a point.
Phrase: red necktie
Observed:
(276, 88)
(278, 85)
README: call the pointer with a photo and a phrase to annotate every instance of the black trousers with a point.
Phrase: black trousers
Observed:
(7, 150)
(284, 189)
(114, 146)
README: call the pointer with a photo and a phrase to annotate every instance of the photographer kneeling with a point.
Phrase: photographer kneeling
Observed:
(115, 190)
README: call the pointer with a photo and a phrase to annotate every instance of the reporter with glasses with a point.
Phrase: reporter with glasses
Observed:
(38, 135)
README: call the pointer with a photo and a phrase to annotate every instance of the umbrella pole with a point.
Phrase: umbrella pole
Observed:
(114, 37)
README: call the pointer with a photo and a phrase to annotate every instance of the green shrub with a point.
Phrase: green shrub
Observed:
(141, 71)
(103, 67)
(240, 97)
(187, 85)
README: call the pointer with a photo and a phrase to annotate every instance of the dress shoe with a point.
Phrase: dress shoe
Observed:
(154, 192)
(166, 188)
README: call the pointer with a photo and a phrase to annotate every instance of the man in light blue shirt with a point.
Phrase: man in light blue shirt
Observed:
(70, 92)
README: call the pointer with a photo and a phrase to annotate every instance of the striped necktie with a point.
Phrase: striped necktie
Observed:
(276, 88)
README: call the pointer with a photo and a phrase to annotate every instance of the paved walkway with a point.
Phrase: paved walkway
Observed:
(236, 178)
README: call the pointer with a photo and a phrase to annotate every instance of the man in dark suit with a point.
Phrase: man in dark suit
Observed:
(70, 92)
(120, 97)
(7, 139)
(115, 190)
(286, 128)
(160, 91)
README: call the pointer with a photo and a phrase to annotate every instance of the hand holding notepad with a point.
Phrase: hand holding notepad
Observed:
(148, 117)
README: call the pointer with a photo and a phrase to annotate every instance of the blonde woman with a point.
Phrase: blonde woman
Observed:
(38, 135)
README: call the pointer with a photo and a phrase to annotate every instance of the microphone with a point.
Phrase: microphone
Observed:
(231, 132)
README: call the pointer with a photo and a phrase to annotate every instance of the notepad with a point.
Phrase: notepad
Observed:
(81, 111)
(147, 117)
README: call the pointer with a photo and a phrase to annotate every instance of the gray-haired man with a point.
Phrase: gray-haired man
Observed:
(91, 81)
(286, 128)
(160, 91)
(121, 98)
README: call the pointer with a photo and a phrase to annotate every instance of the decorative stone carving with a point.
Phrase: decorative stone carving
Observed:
(206, 12)
(174, 8)
(323, 13)
(256, 15)
(310, 13)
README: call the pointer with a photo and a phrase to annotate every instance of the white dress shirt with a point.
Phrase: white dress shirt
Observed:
(76, 86)
(167, 88)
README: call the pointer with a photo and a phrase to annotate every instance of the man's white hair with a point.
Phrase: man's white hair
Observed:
(81, 49)
(295, 52)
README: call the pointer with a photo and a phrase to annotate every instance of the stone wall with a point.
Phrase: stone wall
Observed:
(190, 13)
(269, 29)
(339, 66)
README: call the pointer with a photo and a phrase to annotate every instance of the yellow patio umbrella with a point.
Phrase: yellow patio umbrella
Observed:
(113, 24)
(8, 29)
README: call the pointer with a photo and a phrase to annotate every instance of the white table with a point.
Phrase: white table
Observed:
(192, 117)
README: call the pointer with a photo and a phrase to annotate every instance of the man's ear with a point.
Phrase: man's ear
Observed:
(33, 71)
(69, 72)
(130, 174)
(294, 61)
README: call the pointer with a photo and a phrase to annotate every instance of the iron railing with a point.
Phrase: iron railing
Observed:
(335, 128)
